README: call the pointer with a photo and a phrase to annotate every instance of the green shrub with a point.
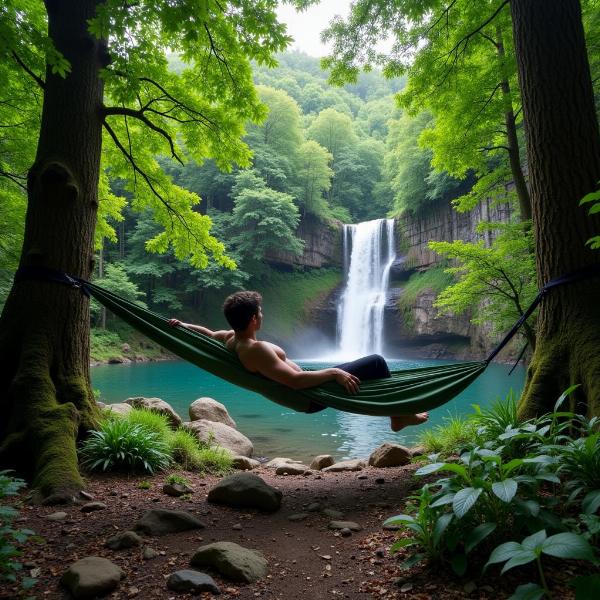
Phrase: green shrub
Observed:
(175, 479)
(151, 420)
(497, 418)
(451, 437)
(187, 451)
(104, 344)
(121, 445)
(11, 538)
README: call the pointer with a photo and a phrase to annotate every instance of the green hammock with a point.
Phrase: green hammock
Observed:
(405, 392)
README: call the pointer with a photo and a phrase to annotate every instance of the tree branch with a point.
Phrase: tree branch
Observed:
(138, 114)
(35, 77)
(15, 179)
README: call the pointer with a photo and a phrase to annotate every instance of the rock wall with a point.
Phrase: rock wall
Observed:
(322, 246)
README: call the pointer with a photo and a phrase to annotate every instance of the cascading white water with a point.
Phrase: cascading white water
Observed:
(371, 250)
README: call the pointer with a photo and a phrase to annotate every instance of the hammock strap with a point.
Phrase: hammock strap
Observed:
(587, 273)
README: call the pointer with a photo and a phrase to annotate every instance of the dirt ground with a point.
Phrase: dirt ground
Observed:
(306, 560)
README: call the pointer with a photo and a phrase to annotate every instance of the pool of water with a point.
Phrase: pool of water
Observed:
(277, 431)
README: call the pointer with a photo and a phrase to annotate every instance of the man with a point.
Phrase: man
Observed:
(243, 312)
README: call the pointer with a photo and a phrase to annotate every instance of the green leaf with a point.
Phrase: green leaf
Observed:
(528, 591)
(402, 543)
(477, 535)
(459, 564)
(568, 545)
(399, 520)
(440, 526)
(505, 490)
(521, 557)
(586, 587)
(503, 552)
(564, 396)
(412, 561)
(431, 468)
(535, 541)
(446, 499)
(591, 502)
(464, 500)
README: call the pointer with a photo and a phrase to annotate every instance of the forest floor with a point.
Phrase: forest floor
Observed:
(306, 560)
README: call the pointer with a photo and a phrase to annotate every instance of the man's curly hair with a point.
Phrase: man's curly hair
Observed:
(240, 307)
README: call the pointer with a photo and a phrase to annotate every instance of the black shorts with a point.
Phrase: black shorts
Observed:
(367, 367)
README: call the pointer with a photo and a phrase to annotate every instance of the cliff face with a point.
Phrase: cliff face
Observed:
(322, 246)
(422, 331)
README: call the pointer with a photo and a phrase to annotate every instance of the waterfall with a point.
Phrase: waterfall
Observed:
(368, 256)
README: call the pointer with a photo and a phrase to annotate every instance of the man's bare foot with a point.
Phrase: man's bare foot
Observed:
(401, 421)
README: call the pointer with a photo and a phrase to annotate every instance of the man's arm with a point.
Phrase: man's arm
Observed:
(264, 360)
(220, 335)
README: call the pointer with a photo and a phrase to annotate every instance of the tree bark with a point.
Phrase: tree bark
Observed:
(46, 398)
(563, 149)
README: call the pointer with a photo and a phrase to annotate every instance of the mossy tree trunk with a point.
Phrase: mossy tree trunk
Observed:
(45, 393)
(563, 149)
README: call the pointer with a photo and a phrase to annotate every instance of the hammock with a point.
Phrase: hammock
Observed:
(406, 392)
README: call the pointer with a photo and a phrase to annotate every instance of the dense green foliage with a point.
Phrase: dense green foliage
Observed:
(529, 477)
(12, 539)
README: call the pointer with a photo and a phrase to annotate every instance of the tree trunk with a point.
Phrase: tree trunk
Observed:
(514, 155)
(563, 149)
(46, 398)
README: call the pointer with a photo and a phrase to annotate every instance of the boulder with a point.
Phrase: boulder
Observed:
(232, 561)
(157, 405)
(245, 490)
(92, 576)
(210, 410)
(223, 435)
(123, 540)
(119, 408)
(160, 521)
(356, 464)
(275, 463)
(390, 455)
(194, 582)
(321, 461)
(418, 451)
(351, 525)
(244, 463)
(292, 469)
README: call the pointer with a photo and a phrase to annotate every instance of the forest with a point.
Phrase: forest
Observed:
(171, 151)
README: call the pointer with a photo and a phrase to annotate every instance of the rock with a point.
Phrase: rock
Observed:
(149, 553)
(210, 410)
(244, 463)
(470, 587)
(57, 516)
(313, 507)
(119, 408)
(275, 463)
(390, 455)
(195, 582)
(177, 489)
(351, 525)
(159, 521)
(227, 437)
(291, 469)
(362, 476)
(125, 348)
(101, 405)
(245, 490)
(321, 461)
(86, 495)
(121, 541)
(345, 531)
(232, 561)
(92, 576)
(357, 464)
(418, 451)
(298, 517)
(333, 514)
(92, 507)
(157, 405)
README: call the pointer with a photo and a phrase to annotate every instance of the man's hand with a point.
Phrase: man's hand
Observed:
(175, 322)
(348, 381)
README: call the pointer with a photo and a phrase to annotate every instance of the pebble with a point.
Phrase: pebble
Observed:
(57, 516)
(362, 476)
(237, 526)
(149, 553)
(345, 532)
(406, 587)
(93, 506)
(297, 517)
(470, 587)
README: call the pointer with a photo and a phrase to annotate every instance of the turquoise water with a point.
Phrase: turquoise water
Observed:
(277, 431)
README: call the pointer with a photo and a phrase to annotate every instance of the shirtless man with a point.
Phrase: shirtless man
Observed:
(243, 312)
